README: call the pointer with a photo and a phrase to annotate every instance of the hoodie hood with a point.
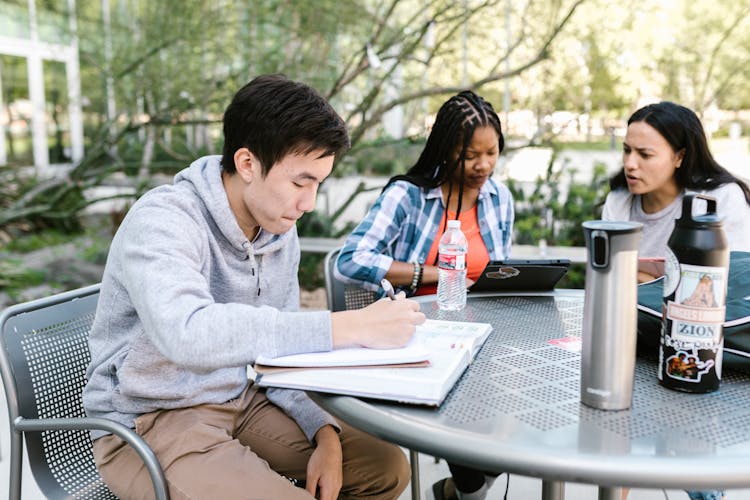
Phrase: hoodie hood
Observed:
(203, 177)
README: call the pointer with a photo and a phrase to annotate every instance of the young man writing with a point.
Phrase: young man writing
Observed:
(201, 278)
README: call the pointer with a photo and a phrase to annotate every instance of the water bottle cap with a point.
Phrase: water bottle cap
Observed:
(454, 224)
(709, 219)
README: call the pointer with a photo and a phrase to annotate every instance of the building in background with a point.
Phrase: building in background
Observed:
(40, 102)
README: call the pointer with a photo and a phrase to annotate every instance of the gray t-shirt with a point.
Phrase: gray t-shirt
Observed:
(657, 227)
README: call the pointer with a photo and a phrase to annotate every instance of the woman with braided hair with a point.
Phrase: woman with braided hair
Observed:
(452, 179)
(398, 239)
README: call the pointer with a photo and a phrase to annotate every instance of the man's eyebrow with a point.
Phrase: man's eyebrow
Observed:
(307, 177)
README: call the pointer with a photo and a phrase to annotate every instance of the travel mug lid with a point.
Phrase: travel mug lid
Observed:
(611, 226)
(600, 238)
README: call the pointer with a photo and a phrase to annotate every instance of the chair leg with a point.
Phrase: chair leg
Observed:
(16, 465)
(414, 461)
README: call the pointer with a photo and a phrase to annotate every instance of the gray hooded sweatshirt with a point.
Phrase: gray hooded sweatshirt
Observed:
(187, 302)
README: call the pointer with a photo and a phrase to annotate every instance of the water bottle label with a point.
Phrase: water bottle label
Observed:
(698, 305)
(695, 315)
(452, 262)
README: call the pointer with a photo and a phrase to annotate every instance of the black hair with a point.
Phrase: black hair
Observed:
(683, 130)
(273, 117)
(454, 126)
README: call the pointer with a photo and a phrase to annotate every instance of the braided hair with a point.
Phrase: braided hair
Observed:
(454, 126)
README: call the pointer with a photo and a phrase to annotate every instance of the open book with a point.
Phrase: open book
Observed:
(449, 346)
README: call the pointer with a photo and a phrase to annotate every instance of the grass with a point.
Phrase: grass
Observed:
(91, 246)
(29, 243)
(14, 277)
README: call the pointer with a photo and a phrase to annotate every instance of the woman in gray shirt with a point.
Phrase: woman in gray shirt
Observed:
(665, 154)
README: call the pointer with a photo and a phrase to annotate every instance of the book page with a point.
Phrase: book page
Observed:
(428, 385)
(431, 336)
(438, 334)
(353, 356)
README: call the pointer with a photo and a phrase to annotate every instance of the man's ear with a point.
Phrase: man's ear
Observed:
(246, 164)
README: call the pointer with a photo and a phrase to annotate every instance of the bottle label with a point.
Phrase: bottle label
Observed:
(694, 317)
(452, 262)
(698, 306)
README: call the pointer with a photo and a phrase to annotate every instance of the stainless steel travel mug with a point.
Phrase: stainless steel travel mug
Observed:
(610, 317)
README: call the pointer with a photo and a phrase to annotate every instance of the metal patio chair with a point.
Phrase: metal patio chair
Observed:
(43, 358)
(344, 297)
(341, 296)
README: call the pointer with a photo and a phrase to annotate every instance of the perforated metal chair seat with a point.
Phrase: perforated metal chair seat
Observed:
(342, 296)
(43, 362)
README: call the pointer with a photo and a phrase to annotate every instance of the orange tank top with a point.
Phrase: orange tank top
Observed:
(476, 259)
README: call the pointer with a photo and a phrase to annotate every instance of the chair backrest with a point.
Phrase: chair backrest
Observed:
(341, 296)
(43, 359)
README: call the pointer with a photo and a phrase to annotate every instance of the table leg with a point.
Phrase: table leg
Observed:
(414, 459)
(553, 490)
(610, 493)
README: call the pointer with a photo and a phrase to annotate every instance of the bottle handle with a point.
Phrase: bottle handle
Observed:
(687, 205)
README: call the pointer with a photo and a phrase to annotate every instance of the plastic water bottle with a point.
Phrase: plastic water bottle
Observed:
(451, 290)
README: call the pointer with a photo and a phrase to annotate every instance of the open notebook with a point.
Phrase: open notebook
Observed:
(448, 347)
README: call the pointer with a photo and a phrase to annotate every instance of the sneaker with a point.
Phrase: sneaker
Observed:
(706, 495)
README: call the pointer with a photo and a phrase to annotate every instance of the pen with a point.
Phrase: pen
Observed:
(388, 288)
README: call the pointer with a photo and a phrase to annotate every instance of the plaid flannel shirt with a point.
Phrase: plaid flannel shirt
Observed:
(403, 223)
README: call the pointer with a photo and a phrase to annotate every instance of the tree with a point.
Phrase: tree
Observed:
(714, 71)
(172, 64)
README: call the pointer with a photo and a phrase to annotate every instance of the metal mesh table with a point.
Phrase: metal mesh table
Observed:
(517, 409)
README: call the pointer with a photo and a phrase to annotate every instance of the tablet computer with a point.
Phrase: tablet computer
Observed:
(515, 275)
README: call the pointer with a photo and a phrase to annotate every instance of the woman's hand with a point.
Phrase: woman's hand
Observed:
(324, 469)
(645, 277)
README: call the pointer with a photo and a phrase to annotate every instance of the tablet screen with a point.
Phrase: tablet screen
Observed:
(521, 275)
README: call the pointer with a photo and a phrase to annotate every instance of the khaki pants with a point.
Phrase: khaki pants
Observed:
(239, 450)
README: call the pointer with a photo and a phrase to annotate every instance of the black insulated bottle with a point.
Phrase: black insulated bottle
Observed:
(693, 311)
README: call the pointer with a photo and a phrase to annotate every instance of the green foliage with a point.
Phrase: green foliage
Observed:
(383, 157)
(310, 272)
(14, 277)
(36, 241)
(548, 213)
(94, 250)
(575, 277)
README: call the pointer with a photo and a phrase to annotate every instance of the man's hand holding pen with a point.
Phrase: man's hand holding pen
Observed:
(389, 291)
(384, 324)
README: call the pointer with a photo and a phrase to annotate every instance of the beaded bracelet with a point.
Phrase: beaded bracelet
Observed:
(416, 278)
(421, 275)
